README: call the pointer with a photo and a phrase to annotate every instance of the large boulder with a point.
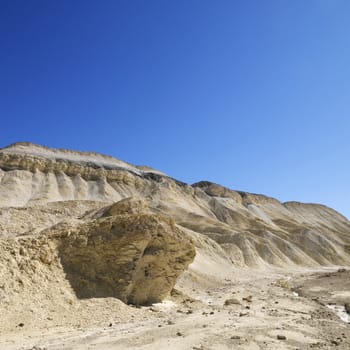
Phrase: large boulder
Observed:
(122, 250)
(134, 257)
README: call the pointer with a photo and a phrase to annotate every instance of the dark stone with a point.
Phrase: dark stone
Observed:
(347, 307)
(281, 337)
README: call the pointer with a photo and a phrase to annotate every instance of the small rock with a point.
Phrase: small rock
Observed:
(235, 337)
(248, 298)
(347, 307)
(342, 270)
(335, 342)
(281, 337)
(232, 301)
(21, 324)
(243, 314)
(22, 251)
(170, 322)
(110, 325)
(179, 334)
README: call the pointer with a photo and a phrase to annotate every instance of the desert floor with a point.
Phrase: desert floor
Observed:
(267, 309)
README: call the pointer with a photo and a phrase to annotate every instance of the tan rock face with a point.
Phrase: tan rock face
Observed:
(134, 257)
(128, 253)
(127, 206)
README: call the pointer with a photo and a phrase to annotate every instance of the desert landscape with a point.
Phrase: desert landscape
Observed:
(97, 253)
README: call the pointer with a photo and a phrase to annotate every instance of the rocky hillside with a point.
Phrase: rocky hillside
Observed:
(245, 229)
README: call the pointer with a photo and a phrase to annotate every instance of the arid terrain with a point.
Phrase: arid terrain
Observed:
(96, 253)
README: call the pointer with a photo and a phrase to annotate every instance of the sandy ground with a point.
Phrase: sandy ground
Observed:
(265, 313)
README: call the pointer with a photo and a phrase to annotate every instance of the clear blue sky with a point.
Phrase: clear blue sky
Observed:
(254, 95)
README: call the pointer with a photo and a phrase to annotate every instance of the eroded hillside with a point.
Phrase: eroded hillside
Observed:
(250, 229)
(85, 239)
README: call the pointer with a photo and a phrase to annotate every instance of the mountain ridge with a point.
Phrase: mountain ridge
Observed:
(25, 148)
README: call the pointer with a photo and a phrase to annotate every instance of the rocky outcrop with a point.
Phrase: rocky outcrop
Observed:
(128, 253)
(134, 257)
(32, 174)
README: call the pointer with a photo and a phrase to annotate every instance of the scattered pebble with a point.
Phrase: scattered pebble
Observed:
(249, 298)
(281, 337)
(232, 301)
(235, 337)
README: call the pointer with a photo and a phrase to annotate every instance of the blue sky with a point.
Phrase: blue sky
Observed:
(252, 94)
